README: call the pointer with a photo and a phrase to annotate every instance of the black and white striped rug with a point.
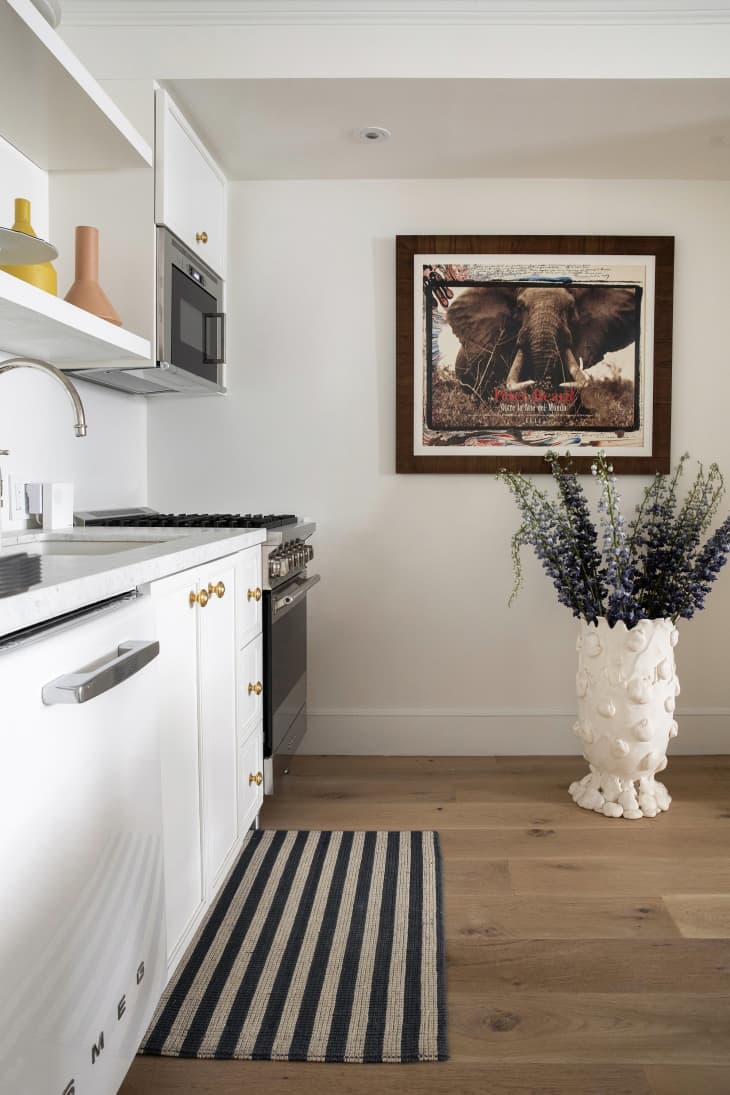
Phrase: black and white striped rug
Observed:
(322, 946)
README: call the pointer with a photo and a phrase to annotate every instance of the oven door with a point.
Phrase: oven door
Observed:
(285, 666)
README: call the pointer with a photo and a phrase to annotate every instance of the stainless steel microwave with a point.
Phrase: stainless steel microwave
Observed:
(190, 330)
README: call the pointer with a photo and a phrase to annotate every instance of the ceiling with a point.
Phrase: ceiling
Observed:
(307, 128)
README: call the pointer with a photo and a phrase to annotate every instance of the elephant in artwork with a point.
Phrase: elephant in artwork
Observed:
(517, 336)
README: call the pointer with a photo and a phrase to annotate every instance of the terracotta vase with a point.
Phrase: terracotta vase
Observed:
(627, 687)
(86, 292)
(41, 274)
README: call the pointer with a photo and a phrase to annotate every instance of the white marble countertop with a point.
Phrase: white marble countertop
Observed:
(69, 581)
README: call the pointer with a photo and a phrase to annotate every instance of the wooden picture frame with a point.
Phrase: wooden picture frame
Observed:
(557, 343)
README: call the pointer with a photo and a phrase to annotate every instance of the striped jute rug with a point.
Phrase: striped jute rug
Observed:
(321, 947)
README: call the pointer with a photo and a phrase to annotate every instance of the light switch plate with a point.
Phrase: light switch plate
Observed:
(18, 506)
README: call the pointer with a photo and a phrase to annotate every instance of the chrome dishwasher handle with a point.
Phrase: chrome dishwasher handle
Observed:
(82, 687)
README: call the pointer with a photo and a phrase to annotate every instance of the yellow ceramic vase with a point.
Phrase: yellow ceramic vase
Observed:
(41, 274)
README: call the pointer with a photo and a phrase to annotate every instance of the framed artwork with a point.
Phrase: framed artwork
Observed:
(510, 346)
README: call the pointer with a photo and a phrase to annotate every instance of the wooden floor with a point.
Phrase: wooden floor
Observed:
(585, 955)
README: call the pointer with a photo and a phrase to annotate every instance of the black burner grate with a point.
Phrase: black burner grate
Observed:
(198, 520)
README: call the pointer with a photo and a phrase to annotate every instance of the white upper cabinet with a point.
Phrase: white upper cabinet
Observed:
(56, 122)
(51, 109)
(190, 188)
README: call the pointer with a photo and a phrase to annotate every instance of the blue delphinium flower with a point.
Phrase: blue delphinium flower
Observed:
(619, 570)
(657, 567)
(705, 569)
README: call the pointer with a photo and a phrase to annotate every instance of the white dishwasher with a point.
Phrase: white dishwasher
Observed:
(82, 948)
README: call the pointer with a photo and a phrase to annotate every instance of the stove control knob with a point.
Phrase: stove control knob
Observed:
(309, 553)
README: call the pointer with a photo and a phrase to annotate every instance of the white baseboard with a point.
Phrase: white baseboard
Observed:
(372, 732)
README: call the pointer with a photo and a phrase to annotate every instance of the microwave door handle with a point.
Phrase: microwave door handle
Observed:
(219, 355)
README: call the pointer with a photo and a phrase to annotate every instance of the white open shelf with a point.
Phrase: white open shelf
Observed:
(51, 108)
(36, 324)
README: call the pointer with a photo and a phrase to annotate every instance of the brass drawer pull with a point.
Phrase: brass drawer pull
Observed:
(254, 594)
(201, 598)
(219, 589)
(258, 779)
(257, 688)
(201, 237)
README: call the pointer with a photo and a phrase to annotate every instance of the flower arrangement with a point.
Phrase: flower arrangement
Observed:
(656, 566)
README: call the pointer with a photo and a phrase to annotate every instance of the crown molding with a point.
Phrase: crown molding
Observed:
(105, 13)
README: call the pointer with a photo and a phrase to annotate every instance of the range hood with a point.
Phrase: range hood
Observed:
(157, 378)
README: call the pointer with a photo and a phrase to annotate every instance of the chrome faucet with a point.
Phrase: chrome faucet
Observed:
(46, 367)
(43, 367)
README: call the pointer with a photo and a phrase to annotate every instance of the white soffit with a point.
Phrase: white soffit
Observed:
(393, 12)
(298, 129)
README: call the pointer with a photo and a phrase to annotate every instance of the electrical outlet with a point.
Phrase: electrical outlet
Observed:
(17, 497)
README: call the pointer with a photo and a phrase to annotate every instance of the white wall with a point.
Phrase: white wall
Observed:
(109, 466)
(413, 647)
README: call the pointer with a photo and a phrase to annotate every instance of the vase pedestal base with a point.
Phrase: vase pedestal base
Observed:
(611, 796)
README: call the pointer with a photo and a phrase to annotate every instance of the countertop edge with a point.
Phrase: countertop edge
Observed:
(105, 576)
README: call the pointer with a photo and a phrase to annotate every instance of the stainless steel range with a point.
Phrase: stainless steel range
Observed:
(286, 553)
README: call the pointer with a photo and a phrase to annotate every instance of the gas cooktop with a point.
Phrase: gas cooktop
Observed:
(143, 517)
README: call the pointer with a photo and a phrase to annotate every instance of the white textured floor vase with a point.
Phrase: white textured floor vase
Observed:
(627, 688)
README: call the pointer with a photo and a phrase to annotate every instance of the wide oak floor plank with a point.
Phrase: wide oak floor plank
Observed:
(694, 841)
(678, 1080)
(701, 916)
(173, 1077)
(479, 917)
(626, 965)
(550, 1027)
(615, 876)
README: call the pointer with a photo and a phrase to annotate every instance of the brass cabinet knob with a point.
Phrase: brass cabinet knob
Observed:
(257, 688)
(219, 589)
(254, 594)
(201, 598)
(258, 779)
(201, 237)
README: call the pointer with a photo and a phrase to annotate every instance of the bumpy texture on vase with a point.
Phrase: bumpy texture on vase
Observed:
(627, 688)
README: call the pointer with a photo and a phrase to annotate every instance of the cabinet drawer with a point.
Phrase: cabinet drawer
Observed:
(250, 778)
(249, 596)
(249, 686)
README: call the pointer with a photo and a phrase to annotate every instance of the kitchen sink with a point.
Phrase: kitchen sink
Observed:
(70, 546)
(82, 547)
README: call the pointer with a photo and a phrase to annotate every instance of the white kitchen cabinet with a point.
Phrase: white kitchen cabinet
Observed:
(59, 123)
(217, 713)
(250, 778)
(190, 188)
(179, 755)
(207, 804)
(248, 595)
(250, 687)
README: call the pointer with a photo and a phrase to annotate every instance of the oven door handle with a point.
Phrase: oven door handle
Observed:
(283, 602)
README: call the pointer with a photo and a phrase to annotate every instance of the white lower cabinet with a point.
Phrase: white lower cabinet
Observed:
(250, 778)
(217, 713)
(250, 687)
(207, 804)
(179, 756)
